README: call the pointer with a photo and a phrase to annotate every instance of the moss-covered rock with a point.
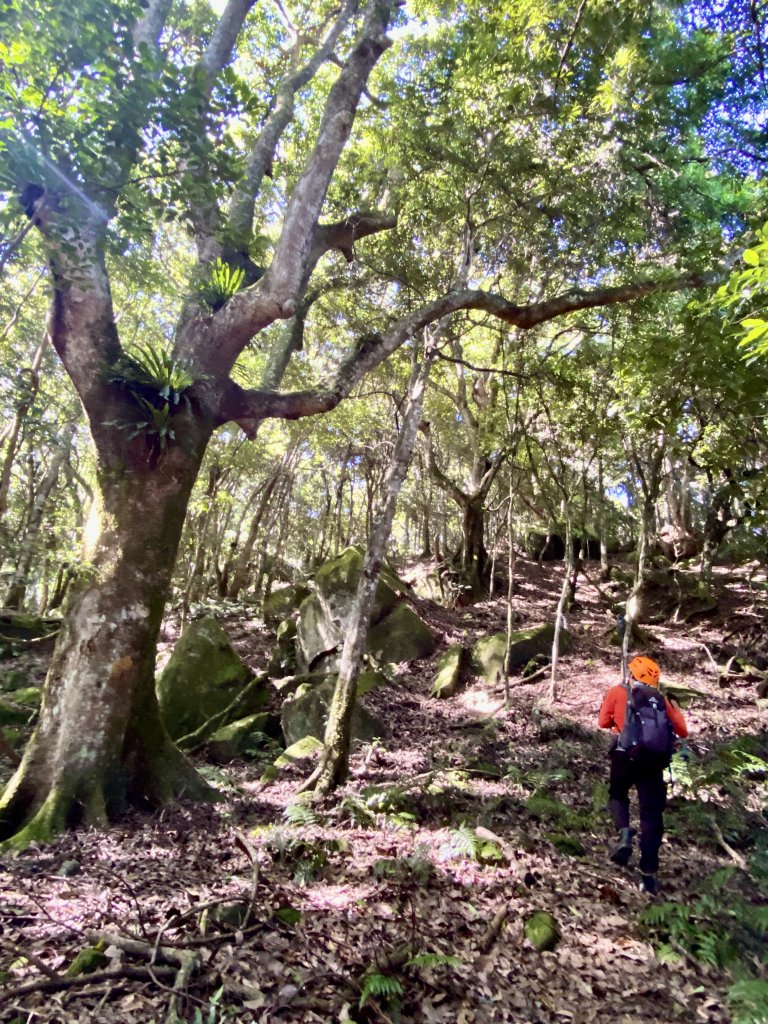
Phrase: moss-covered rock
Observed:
(323, 616)
(370, 679)
(402, 636)
(231, 741)
(299, 750)
(16, 707)
(617, 574)
(452, 669)
(542, 931)
(201, 679)
(87, 961)
(317, 633)
(19, 626)
(283, 602)
(488, 655)
(306, 713)
(430, 587)
(336, 584)
(283, 661)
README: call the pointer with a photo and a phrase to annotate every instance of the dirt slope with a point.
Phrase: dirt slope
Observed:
(388, 896)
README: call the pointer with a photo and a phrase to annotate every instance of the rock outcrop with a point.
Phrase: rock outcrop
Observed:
(202, 678)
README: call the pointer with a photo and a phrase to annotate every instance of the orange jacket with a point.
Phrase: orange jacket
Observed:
(615, 705)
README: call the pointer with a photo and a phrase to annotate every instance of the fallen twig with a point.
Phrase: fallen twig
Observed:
(494, 930)
(253, 856)
(137, 947)
(737, 859)
(61, 982)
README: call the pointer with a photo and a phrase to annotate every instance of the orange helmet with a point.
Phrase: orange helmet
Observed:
(645, 671)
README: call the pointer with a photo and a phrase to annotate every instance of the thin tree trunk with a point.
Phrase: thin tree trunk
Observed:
(602, 522)
(263, 568)
(197, 585)
(334, 760)
(510, 590)
(633, 601)
(277, 553)
(17, 589)
(12, 443)
(340, 501)
(240, 575)
(561, 605)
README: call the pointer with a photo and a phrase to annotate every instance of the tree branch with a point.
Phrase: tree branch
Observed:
(297, 237)
(247, 407)
(259, 162)
(218, 53)
(216, 352)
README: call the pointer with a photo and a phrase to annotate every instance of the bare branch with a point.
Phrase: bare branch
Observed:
(259, 163)
(219, 51)
(297, 237)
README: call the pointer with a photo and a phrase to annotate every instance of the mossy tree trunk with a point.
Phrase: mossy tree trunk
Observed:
(100, 744)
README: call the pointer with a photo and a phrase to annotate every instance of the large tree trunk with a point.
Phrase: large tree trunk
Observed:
(474, 556)
(100, 744)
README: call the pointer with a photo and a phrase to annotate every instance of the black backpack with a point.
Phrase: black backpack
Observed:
(648, 730)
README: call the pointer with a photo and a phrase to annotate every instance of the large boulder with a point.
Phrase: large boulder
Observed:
(316, 631)
(323, 616)
(452, 668)
(488, 655)
(283, 602)
(202, 678)
(402, 636)
(235, 739)
(307, 712)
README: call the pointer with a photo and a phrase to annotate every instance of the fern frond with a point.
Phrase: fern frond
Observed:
(749, 1000)
(462, 842)
(380, 986)
(299, 814)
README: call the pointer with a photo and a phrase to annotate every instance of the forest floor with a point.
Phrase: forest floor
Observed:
(264, 908)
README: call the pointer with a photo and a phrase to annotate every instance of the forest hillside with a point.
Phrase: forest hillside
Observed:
(462, 873)
(379, 379)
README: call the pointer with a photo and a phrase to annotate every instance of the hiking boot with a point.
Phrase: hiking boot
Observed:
(649, 884)
(623, 851)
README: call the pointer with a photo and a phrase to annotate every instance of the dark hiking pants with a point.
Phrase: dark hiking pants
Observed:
(648, 778)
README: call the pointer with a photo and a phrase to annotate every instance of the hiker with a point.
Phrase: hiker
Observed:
(641, 750)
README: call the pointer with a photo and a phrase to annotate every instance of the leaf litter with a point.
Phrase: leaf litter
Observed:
(446, 838)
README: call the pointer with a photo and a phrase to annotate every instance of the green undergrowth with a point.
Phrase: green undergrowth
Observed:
(726, 927)
(723, 797)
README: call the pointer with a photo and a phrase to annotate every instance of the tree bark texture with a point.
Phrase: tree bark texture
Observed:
(100, 744)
